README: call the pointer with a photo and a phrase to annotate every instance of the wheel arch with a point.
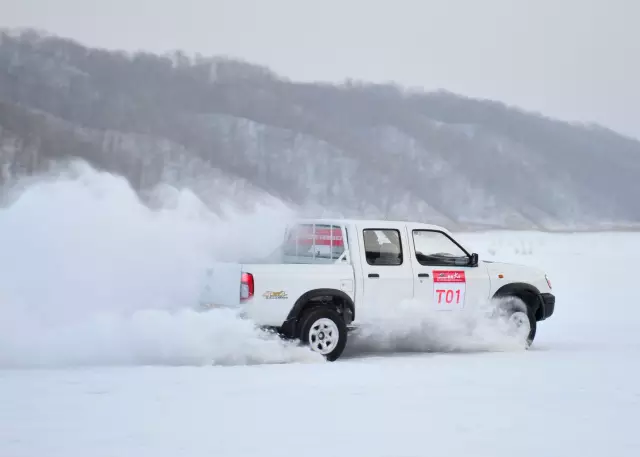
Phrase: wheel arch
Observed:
(528, 293)
(319, 297)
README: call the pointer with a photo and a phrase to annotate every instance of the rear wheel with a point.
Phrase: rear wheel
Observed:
(324, 330)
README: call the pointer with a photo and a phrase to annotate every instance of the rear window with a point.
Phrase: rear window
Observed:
(314, 242)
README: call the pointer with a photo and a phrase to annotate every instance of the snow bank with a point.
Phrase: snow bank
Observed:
(90, 275)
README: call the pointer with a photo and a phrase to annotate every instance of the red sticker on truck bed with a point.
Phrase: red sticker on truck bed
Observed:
(321, 236)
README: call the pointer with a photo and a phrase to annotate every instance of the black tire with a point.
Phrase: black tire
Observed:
(509, 305)
(323, 320)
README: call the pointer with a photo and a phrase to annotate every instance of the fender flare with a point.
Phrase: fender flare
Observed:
(521, 289)
(289, 327)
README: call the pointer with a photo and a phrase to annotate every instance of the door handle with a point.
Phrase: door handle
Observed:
(423, 275)
(374, 275)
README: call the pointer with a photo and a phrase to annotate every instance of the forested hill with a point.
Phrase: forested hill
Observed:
(236, 130)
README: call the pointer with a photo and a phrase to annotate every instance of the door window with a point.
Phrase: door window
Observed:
(383, 247)
(436, 248)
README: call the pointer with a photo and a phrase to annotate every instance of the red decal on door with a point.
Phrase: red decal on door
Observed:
(448, 276)
(449, 288)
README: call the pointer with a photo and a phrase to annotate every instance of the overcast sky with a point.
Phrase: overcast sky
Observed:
(573, 59)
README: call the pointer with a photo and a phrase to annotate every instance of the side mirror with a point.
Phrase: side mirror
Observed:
(473, 261)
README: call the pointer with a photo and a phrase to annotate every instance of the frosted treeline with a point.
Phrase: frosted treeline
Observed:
(233, 130)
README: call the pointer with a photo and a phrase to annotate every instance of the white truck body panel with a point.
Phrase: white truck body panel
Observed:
(514, 273)
(278, 289)
(369, 263)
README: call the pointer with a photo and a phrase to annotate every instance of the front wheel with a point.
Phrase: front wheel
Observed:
(523, 326)
(324, 330)
(520, 319)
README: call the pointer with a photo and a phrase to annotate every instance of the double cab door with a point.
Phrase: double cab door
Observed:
(426, 265)
(444, 277)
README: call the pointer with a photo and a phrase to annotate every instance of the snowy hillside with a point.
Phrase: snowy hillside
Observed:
(101, 356)
(355, 149)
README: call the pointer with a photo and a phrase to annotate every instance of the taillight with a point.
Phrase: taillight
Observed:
(247, 287)
(548, 282)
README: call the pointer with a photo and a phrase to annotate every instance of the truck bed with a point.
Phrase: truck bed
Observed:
(277, 287)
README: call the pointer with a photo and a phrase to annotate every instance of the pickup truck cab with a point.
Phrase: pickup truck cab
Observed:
(316, 284)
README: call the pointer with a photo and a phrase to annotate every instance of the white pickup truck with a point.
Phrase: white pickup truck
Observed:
(326, 271)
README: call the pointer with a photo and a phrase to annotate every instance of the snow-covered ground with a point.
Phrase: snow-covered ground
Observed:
(100, 357)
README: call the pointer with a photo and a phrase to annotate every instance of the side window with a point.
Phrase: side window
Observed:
(382, 247)
(436, 248)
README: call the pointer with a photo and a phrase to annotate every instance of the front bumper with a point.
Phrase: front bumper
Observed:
(547, 306)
